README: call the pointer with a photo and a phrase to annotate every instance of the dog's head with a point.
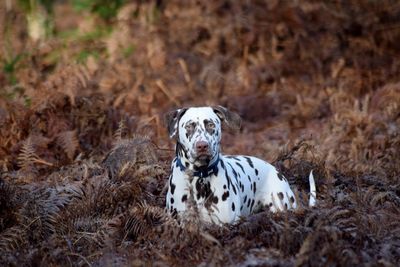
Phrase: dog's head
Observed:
(198, 132)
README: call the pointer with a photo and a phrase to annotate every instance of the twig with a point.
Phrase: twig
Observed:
(34, 220)
(185, 70)
(80, 256)
(166, 91)
(41, 161)
(245, 54)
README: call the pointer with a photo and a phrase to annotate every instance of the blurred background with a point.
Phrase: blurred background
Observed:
(319, 77)
(322, 70)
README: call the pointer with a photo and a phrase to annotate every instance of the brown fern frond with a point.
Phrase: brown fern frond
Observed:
(121, 131)
(42, 210)
(9, 200)
(141, 221)
(13, 238)
(75, 81)
(70, 80)
(89, 231)
(68, 140)
(83, 75)
(128, 153)
(27, 155)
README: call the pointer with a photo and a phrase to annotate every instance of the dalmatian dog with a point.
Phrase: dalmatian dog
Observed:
(223, 188)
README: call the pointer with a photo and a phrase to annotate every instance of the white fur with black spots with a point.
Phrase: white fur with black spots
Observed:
(223, 188)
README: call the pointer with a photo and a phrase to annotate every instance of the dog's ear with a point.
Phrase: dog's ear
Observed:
(171, 120)
(232, 119)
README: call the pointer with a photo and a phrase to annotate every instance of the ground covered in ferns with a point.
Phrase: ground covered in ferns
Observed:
(84, 154)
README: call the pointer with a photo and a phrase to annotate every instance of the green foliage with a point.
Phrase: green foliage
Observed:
(106, 9)
(86, 39)
(85, 54)
(96, 34)
(10, 66)
(129, 50)
(29, 5)
(76, 35)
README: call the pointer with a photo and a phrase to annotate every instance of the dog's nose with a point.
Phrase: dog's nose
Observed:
(201, 146)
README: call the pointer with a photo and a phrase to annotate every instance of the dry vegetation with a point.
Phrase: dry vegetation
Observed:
(84, 156)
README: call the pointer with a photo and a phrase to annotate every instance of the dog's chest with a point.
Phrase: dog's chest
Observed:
(224, 195)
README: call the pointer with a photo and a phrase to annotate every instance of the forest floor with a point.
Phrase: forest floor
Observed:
(85, 155)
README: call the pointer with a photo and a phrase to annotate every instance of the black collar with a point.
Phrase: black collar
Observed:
(204, 172)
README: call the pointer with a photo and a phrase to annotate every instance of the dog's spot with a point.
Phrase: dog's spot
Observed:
(241, 208)
(285, 205)
(187, 164)
(222, 164)
(234, 189)
(171, 209)
(233, 206)
(254, 187)
(256, 171)
(240, 186)
(281, 196)
(270, 204)
(172, 188)
(224, 186)
(292, 200)
(248, 202)
(215, 200)
(250, 162)
(240, 166)
(225, 195)
(172, 200)
(233, 157)
(203, 189)
(216, 172)
(248, 177)
(252, 204)
(184, 198)
(228, 179)
(280, 176)
(245, 198)
(235, 174)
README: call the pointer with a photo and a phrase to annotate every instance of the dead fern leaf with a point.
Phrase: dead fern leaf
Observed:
(27, 155)
(69, 142)
(128, 153)
(42, 209)
(141, 221)
(13, 238)
(379, 197)
(120, 132)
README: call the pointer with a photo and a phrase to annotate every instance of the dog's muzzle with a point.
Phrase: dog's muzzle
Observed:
(202, 150)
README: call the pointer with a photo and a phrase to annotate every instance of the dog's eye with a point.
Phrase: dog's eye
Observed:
(190, 127)
(210, 127)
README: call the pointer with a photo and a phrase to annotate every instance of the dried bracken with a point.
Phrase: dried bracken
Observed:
(84, 159)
